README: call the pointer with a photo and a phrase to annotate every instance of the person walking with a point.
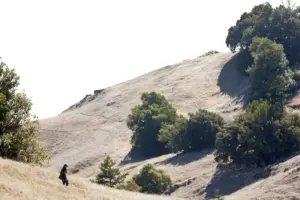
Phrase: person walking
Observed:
(63, 175)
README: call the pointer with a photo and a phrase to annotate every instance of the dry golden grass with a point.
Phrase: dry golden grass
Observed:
(19, 181)
(84, 135)
(96, 126)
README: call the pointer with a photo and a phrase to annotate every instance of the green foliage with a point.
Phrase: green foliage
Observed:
(269, 74)
(258, 137)
(152, 181)
(130, 185)
(173, 134)
(18, 132)
(146, 120)
(196, 133)
(109, 175)
(280, 24)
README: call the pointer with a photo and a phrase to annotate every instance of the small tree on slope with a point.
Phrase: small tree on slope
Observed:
(109, 175)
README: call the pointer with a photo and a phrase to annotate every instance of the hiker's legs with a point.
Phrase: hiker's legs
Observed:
(65, 182)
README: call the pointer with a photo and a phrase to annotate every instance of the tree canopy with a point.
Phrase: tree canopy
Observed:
(280, 24)
(195, 133)
(269, 75)
(18, 128)
(146, 120)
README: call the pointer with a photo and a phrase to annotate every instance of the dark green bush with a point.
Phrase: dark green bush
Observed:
(196, 133)
(152, 181)
(257, 137)
(130, 185)
(146, 120)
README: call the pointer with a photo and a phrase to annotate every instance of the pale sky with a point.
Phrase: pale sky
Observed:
(63, 50)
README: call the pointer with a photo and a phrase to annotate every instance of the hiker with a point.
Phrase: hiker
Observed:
(63, 175)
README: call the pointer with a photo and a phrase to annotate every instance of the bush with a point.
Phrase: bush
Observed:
(152, 181)
(196, 133)
(18, 130)
(130, 185)
(257, 137)
(172, 134)
(146, 120)
(109, 175)
(211, 52)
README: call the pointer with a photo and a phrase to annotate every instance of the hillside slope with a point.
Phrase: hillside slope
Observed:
(82, 135)
(197, 176)
(23, 182)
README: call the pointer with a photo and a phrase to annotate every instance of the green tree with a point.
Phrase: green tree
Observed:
(152, 181)
(258, 137)
(146, 120)
(109, 175)
(18, 129)
(196, 133)
(280, 24)
(269, 75)
(173, 134)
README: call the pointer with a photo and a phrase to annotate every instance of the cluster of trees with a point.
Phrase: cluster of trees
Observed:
(18, 129)
(158, 129)
(269, 42)
(149, 180)
(281, 25)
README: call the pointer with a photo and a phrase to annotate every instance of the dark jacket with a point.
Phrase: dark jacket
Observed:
(63, 173)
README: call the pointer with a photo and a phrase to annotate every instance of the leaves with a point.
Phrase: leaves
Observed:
(152, 181)
(146, 120)
(196, 133)
(257, 137)
(18, 133)
(109, 175)
(269, 73)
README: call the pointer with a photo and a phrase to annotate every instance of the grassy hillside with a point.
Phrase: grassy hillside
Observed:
(82, 135)
(24, 182)
(198, 176)
(96, 126)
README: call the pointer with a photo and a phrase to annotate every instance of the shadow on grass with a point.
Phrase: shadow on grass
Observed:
(186, 158)
(229, 179)
(133, 156)
(233, 82)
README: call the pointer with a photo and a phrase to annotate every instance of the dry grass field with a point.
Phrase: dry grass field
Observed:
(96, 126)
(24, 182)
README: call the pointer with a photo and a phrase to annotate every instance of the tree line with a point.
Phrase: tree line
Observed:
(261, 135)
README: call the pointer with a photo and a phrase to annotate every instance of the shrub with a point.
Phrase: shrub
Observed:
(109, 175)
(152, 181)
(196, 133)
(172, 134)
(257, 137)
(130, 185)
(146, 120)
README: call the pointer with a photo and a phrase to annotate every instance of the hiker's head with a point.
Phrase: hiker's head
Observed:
(65, 166)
